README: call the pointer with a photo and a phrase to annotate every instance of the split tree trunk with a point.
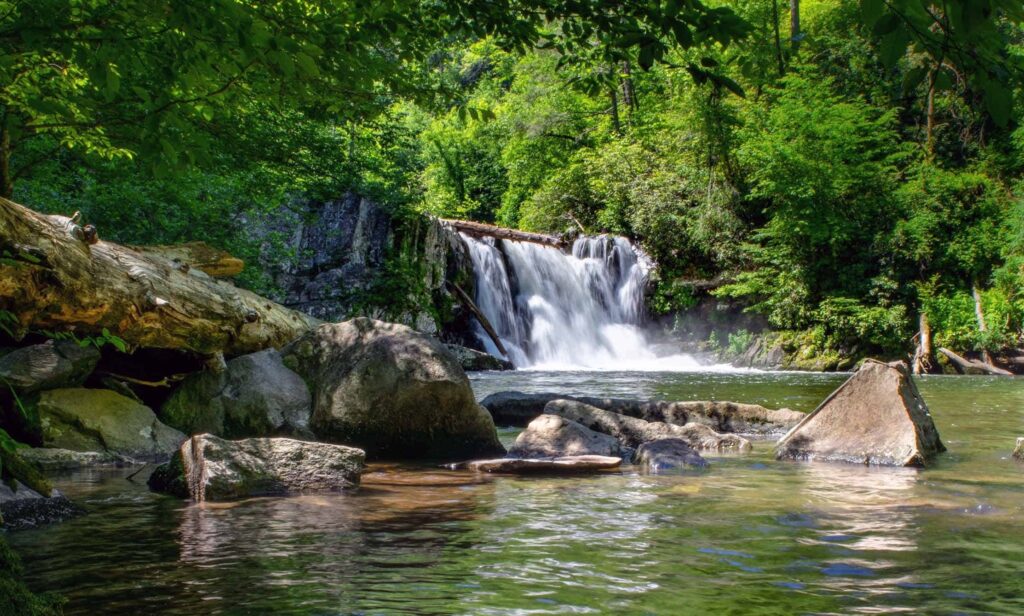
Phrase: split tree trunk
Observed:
(979, 313)
(51, 280)
(924, 355)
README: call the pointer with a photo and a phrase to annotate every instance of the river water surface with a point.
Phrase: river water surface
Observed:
(750, 536)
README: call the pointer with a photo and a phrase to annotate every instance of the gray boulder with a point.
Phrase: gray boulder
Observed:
(668, 454)
(517, 409)
(473, 360)
(208, 468)
(22, 507)
(256, 395)
(1018, 451)
(53, 364)
(876, 417)
(513, 408)
(632, 431)
(101, 420)
(552, 436)
(391, 391)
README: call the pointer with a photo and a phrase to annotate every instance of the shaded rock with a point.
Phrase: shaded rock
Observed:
(513, 408)
(391, 391)
(876, 417)
(1018, 451)
(668, 454)
(720, 416)
(518, 409)
(256, 395)
(632, 431)
(551, 436)
(567, 464)
(21, 507)
(50, 460)
(101, 420)
(471, 359)
(209, 468)
(53, 364)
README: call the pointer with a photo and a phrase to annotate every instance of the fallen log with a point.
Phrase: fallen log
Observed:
(479, 229)
(197, 255)
(963, 364)
(52, 279)
(470, 305)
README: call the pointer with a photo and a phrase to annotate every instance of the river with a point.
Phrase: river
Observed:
(751, 535)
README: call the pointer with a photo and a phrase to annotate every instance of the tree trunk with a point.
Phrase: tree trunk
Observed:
(51, 279)
(199, 255)
(923, 357)
(628, 91)
(963, 364)
(778, 37)
(6, 179)
(980, 315)
(929, 140)
(470, 305)
(616, 124)
(794, 24)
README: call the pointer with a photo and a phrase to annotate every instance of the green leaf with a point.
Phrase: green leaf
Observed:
(892, 47)
(307, 65)
(998, 102)
(871, 11)
(646, 57)
(112, 82)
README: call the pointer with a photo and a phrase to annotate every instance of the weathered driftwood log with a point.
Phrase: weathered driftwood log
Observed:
(479, 229)
(51, 279)
(470, 305)
(198, 255)
(963, 364)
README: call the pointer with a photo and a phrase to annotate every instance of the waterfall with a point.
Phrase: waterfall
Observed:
(557, 311)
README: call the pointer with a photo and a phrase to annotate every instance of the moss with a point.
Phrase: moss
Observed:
(15, 598)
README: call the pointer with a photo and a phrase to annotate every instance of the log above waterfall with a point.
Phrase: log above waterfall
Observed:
(52, 277)
(479, 229)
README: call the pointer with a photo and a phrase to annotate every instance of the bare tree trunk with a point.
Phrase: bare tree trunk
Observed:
(778, 37)
(923, 356)
(51, 279)
(794, 24)
(929, 139)
(616, 124)
(628, 91)
(980, 315)
(480, 229)
(963, 365)
(6, 179)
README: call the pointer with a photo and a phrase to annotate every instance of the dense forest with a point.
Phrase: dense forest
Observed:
(849, 171)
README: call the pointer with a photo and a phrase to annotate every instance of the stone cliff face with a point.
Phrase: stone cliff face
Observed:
(327, 257)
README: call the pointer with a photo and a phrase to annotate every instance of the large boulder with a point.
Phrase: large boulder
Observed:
(551, 436)
(473, 360)
(632, 431)
(392, 391)
(22, 507)
(101, 420)
(513, 408)
(876, 417)
(255, 395)
(668, 454)
(209, 468)
(53, 364)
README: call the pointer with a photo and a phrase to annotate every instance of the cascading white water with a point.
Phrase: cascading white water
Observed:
(558, 311)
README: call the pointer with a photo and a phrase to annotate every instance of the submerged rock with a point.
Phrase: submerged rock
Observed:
(391, 391)
(632, 432)
(53, 364)
(876, 417)
(256, 395)
(518, 409)
(208, 468)
(668, 454)
(49, 459)
(22, 507)
(513, 408)
(565, 464)
(472, 360)
(551, 436)
(101, 420)
(1018, 451)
